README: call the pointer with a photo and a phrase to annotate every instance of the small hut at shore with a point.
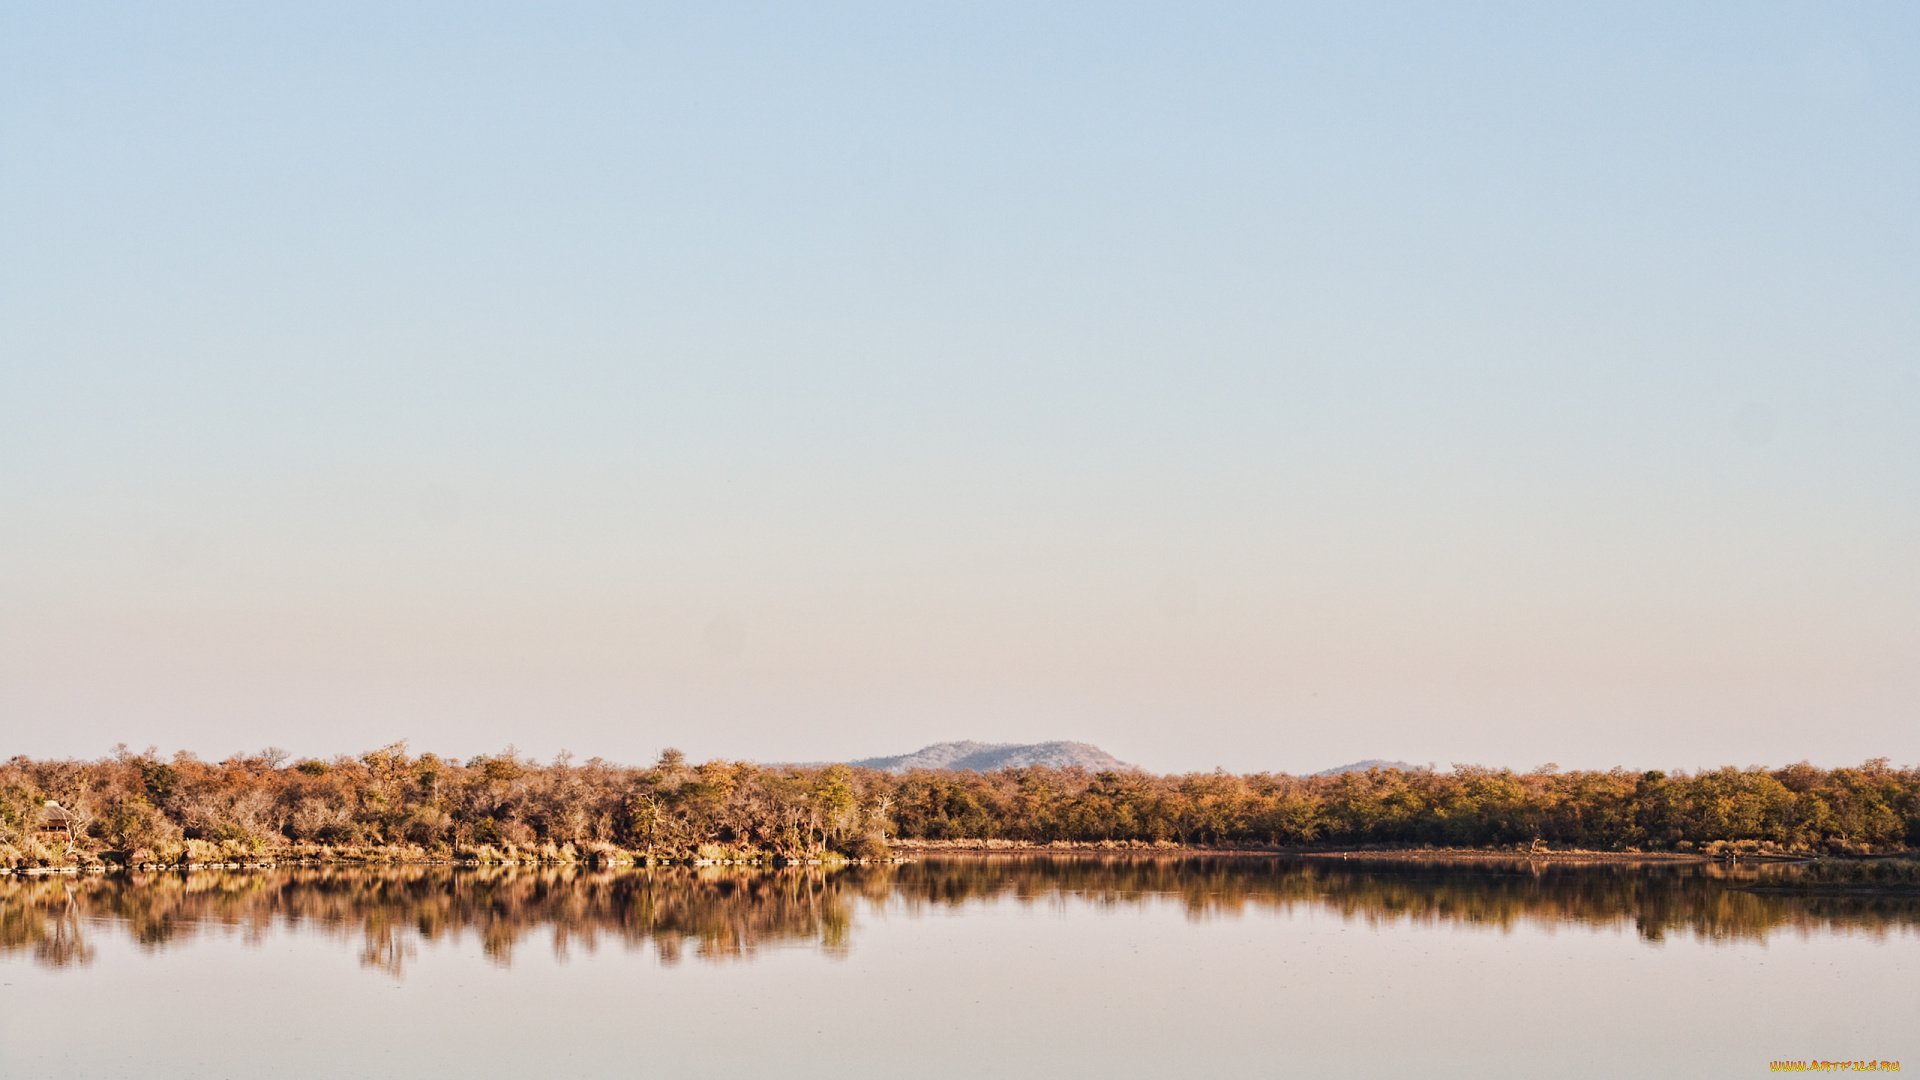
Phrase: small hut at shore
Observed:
(55, 822)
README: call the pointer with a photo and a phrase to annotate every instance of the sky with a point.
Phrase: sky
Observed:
(1253, 386)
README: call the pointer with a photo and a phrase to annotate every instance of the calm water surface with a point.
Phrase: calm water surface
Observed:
(948, 967)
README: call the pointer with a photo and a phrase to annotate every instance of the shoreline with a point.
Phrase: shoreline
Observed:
(1334, 853)
(904, 851)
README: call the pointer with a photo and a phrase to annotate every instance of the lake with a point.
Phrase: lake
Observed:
(950, 967)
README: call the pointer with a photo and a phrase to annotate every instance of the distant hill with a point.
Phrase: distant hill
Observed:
(1363, 766)
(985, 757)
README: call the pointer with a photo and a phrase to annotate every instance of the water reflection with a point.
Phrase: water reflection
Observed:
(719, 913)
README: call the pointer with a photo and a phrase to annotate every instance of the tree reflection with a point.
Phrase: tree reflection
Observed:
(716, 913)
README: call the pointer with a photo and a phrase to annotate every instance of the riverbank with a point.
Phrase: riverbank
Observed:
(1365, 854)
(278, 864)
(197, 855)
(231, 855)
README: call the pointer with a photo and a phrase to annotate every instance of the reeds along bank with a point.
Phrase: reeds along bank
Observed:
(145, 808)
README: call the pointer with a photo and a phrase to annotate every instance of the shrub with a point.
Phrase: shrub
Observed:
(864, 847)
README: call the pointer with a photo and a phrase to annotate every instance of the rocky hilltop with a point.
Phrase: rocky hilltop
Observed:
(985, 757)
(1363, 766)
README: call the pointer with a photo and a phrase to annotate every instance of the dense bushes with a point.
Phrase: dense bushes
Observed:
(141, 809)
(1872, 807)
(145, 809)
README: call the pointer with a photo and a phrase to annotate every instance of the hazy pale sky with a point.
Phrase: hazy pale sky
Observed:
(1251, 385)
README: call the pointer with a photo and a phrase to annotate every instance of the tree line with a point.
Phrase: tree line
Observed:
(142, 808)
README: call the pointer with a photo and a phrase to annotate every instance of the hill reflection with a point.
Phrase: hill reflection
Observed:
(718, 913)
